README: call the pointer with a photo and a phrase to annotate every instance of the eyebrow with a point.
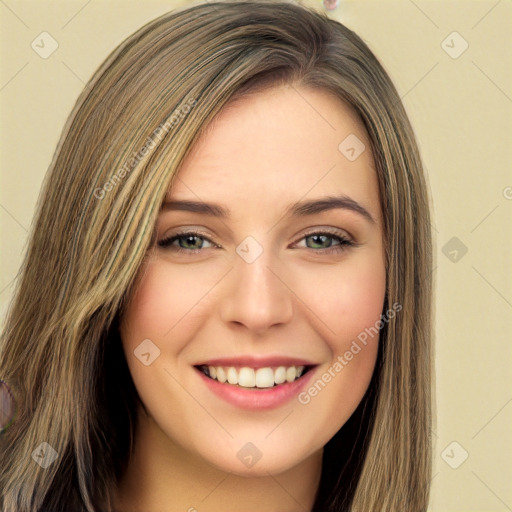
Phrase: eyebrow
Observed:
(298, 209)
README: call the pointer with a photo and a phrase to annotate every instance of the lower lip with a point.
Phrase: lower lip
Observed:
(257, 399)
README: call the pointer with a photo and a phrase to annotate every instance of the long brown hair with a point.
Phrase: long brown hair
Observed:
(123, 144)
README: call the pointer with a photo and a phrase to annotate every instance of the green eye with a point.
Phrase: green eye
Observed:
(187, 242)
(325, 242)
(192, 242)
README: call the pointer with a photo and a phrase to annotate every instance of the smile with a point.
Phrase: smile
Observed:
(256, 383)
(256, 378)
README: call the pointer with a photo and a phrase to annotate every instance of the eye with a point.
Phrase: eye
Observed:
(187, 241)
(192, 242)
(327, 242)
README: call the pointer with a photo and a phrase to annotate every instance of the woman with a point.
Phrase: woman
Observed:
(226, 300)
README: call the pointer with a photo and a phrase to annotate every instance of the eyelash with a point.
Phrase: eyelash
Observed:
(343, 242)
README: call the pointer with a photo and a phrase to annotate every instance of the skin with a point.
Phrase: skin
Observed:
(297, 299)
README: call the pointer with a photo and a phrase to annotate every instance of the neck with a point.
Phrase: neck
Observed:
(163, 477)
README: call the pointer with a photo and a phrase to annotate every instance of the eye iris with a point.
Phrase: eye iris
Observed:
(320, 240)
(190, 239)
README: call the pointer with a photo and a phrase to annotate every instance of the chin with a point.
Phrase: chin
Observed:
(253, 460)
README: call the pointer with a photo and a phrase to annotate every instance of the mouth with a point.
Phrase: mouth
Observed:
(256, 383)
(260, 378)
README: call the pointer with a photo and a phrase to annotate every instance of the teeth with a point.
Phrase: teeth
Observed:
(246, 377)
(250, 377)
(221, 374)
(264, 378)
(280, 375)
(232, 376)
(291, 373)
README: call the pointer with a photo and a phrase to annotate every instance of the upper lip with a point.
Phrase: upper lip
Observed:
(256, 362)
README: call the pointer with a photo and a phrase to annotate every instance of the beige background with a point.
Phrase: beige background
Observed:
(461, 110)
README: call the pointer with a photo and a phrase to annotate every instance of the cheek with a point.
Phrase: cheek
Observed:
(349, 307)
(167, 300)
(348, 301)
(167, 306)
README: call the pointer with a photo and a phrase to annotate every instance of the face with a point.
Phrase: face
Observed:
(269, 264)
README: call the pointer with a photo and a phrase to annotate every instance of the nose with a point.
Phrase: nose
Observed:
(256, 295)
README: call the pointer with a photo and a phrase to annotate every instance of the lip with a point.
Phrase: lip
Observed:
(256, 399)
(256, 362)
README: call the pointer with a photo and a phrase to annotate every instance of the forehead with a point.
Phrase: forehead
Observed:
(277, 145)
